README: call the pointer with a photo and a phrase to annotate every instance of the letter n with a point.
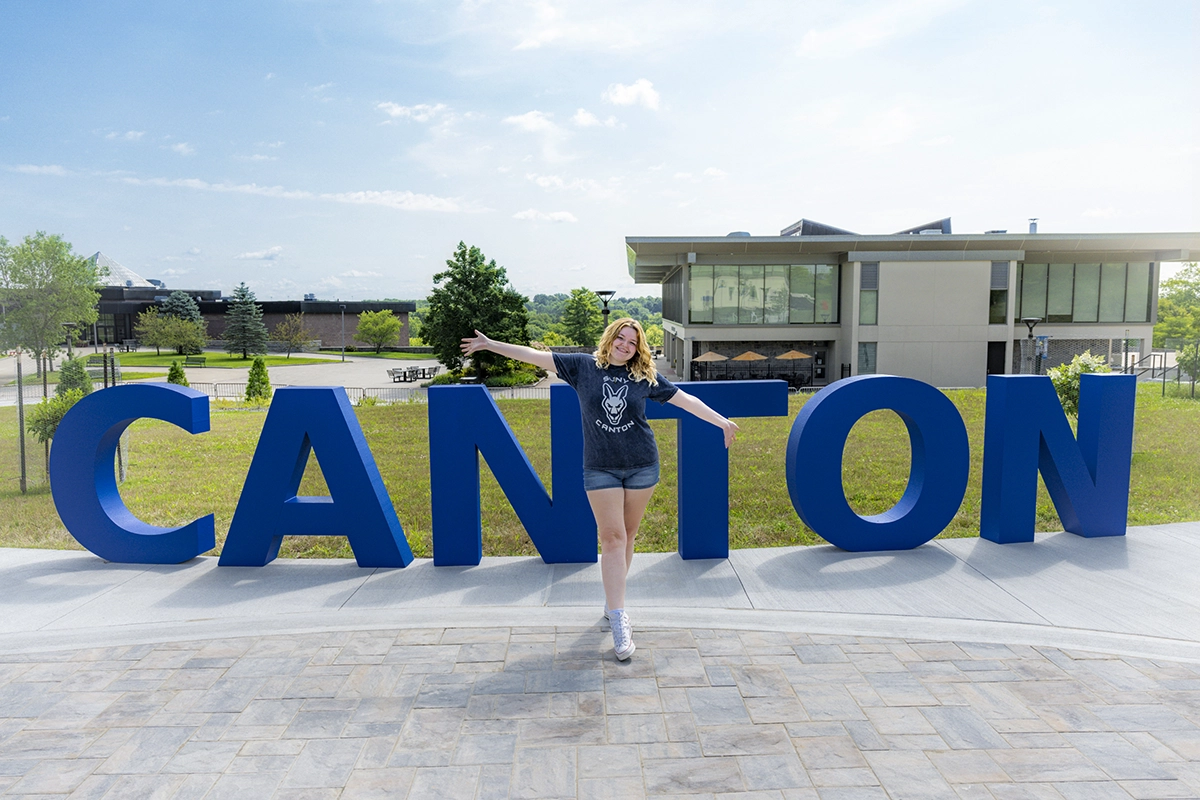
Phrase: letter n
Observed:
(464, 421)
(1027, 431)
(303, 419)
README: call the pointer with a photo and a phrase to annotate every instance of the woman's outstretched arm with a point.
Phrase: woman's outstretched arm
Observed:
(696, 406)
(539, 358)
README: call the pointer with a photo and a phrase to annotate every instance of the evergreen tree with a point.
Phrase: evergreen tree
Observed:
(244, 328)
(176, 374)
(473, 294)
(581, 319)
(181, 306)
(258, 387)
(73, 376)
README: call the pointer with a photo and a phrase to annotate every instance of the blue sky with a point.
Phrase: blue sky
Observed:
(345, 148)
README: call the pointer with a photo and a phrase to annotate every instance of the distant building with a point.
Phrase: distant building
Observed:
(925, 303)
(124, 294)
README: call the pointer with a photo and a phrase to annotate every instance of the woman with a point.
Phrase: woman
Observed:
(620, 456)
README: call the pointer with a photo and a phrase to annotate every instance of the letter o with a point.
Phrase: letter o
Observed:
(937, 480)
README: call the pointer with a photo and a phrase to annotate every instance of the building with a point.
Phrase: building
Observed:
(925, 303)
(125, 294)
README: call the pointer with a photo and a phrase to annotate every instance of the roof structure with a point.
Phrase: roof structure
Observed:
(118, 274)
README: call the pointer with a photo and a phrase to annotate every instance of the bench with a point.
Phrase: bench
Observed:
(400, 375)
(194, 361)
(129, 345)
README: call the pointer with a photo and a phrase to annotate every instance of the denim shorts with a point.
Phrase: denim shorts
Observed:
(639, 478)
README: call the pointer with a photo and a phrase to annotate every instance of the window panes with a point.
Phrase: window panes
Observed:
(803, 294)
(1020, 282)
(868, 307)
(1061, 288)
(725, 295)
(1087, 293)
(750, 295)
(1033, 291)
(700, 293)
(775, 295)
(998, 307)
(866, 357)
(827, 294)
(1112, 292)
(1137, 293)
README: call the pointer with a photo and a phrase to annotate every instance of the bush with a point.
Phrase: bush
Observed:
(517, 378)
(73, 376)
(446, 378)
(45, 416)
(368, 400)
(176, 374)
(258, 388)
(1065, 378)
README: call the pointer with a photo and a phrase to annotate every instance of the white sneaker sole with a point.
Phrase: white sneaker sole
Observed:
(624, 655)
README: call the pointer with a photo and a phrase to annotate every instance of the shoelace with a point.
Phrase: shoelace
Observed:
(621, 632)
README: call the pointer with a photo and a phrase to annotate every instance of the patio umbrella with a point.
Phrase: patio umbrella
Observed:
(792, 355)
(750, 355)
(707, 358)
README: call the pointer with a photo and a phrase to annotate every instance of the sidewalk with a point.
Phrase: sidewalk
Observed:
(1064, 668)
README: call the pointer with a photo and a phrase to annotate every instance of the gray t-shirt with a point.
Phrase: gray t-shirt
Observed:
(613, 404)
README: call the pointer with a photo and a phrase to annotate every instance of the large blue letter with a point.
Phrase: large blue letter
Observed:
(1088, 479)
(301, 419)
(464, 421)
(704, 461)
(84, 484)
(937, 480)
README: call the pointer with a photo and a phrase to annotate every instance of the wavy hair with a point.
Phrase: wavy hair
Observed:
(641, 364)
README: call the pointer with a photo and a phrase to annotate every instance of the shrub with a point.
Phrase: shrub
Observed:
(517, 378)
(368, 400)
(258, 387)
(73, 376)
(45, 416)
(1065, 378)
(176, 374)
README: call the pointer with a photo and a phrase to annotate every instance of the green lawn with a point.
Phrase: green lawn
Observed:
(175, 477)
(389, 354)
(214, 359)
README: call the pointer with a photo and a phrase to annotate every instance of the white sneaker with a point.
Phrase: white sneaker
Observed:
(622, 633)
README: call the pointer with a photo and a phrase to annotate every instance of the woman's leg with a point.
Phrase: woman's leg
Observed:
(636, 501)
(608, 506)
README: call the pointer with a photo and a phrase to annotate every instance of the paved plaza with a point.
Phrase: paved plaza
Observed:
(1065, 668)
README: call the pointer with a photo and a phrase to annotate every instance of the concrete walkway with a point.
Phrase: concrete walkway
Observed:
(1065, 668)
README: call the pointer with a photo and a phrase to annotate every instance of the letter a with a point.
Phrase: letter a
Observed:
(301, 419)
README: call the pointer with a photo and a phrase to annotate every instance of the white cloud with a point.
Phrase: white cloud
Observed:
(48, 169)
(257, 157)
(269, 144)
(585, 186)
(353, 273)
(194, 251)
(421, 112)
(269, 76)
(403, 201)
(534, 215)
(713, 172)
(640, 93)
(1100, 213)
(682, 175)
(270, 254)
(586, 119)
(183, 148)
(533, 122)
(864, 29)
(127, 136)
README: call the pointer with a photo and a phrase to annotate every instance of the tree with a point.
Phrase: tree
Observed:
(581, 319)
(42, 286)
(181, 306)
(292, 333)
(378, 328)
(244, 328)
(258, 386)
(176, 375)
(151, 329)
(185, 335)
(473, 294)
(1065, 378)
(1178, 308)
(1188, 358)
(73, 376)
(45, 416)
(654, 336)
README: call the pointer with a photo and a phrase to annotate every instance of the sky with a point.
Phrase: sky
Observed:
(345, 148)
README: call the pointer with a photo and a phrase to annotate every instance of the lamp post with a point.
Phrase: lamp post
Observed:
(70, 326)
(343, 308)
(605, 295)
(1027, 351)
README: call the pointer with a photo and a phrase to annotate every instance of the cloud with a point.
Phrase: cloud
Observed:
(639, 93)
(127, 136)
(183, 148)
(403, 201)
(1100, 213)
(269, 76)
(864, 29)
(422, 112)
(584, 186)
(357, 274)
(194, 251)
(270, 254)
(682, 175)
(269, 144)
(534, 215)
(586, 119)
(48, 169)
(257, 157)
(533, 122)
(713, 172)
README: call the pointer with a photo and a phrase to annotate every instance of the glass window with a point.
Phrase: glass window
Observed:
(1061, 289)
(1087, 293)
(803, 294)
(998, 307)
(725, 295)
(1112, 292)
(1020, 277)
(1137, 293)
(868, 307)
(827, 294)
(866, 358)
(1033, 291)
(775, 295)
(700, 293)
(750, 295)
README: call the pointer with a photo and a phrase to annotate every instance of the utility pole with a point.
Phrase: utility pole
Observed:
(21, 421)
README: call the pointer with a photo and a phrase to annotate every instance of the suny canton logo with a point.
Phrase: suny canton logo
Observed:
(1026, 432)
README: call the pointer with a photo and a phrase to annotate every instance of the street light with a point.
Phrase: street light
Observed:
(1027, 351)
(343, 308)
(605, 295)
(70, 326)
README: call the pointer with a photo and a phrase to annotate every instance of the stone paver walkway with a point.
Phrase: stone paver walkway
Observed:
(548, 713)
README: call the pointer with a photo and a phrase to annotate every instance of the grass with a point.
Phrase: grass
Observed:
(388, 354)
(214, 359)
(175, 477)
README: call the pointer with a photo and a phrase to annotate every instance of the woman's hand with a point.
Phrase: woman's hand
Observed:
(730, 429)
(473, 344)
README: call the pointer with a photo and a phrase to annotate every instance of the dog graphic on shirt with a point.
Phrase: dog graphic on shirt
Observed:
(614, 403)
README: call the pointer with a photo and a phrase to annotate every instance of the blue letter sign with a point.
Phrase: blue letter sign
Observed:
(84, 484)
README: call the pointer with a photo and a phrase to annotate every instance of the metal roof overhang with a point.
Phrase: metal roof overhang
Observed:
(653, 258)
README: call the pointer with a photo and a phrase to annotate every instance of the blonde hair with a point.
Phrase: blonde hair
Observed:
(641, 364)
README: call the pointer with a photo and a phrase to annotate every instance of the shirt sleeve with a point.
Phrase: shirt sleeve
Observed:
(664, 391)
(567, 366)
